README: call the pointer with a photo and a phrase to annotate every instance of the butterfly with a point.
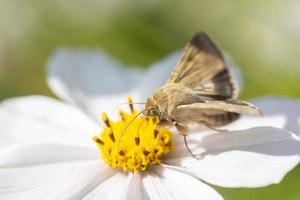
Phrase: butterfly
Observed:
(200, 90)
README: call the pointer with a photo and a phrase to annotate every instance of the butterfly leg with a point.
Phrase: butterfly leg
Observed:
(183, 130)
(188, 148)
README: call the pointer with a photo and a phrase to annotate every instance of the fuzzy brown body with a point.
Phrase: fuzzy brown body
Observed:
(170, 96)
(200, 90)
(171, 101)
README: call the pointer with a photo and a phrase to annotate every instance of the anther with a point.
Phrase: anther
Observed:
(97, 140)
(129, 99)
(121, 113)
(111, 136)
(155, 133)
(146, 153)
(121, 153)
(105, 120)
(137, 140)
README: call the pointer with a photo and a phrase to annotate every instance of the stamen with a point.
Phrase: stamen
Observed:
(129, 99)
(112, 136)
(121, 153)
(146, 153)
(97, 140)
(155, 133)
(122, 115)
(105, 120)
(137, 140)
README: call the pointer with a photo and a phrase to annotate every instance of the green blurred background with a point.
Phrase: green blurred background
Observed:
(262, 37)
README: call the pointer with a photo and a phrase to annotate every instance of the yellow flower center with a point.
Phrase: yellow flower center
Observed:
(133, 143)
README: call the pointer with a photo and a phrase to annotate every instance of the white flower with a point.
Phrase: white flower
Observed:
(46, 150)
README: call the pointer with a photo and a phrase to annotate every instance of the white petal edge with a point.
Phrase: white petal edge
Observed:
(235, 71)
(169, 184)
(279, 112)
(255, 157)
(58, 181)
(90, 79)
(43, 119)
(157, 75)
(286, 107)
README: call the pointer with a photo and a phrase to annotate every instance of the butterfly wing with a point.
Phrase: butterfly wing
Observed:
(215, 113)
(202, 72)
(202, 69)
(213, 107)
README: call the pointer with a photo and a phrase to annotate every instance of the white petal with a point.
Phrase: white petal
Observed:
(42, 119)
(235, 71)
(83, 77)
(157, 75)
(115, 188)
(279, 112)
(252, 158)
(164, 183)
(246, 122)
(136, 189)
(44, 153)
(284, 107)
(58, 181)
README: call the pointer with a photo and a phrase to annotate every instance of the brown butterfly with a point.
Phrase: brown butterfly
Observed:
(200, 90)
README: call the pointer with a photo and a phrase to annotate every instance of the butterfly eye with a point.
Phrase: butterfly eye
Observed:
(153, 112)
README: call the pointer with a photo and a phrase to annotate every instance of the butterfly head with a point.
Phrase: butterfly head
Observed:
(151, 108)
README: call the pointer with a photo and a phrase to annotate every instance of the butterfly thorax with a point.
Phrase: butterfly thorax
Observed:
(169, 96)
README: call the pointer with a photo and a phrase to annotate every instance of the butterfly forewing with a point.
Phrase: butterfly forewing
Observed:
(202, 68)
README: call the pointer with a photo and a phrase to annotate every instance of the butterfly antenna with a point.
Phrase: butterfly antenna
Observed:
(127, 103)
(188, 148)
(128, 126)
